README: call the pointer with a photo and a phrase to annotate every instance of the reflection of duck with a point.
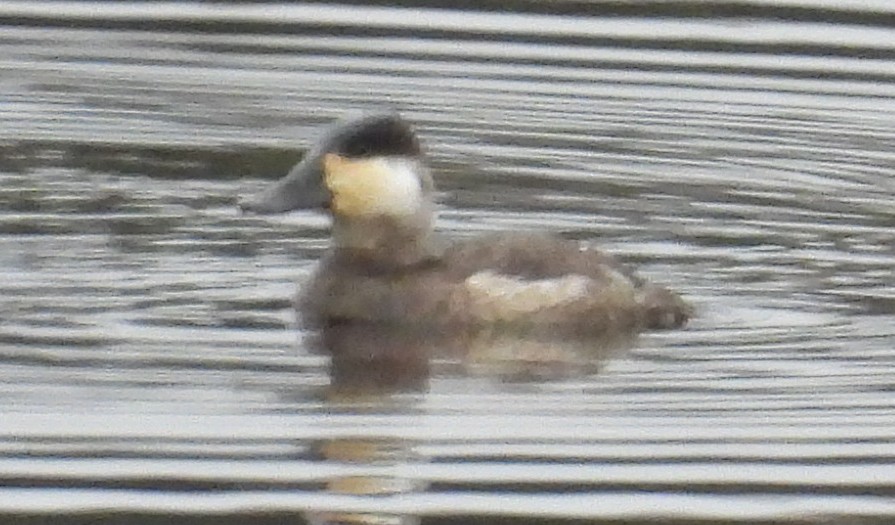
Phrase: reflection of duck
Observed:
(387, 267)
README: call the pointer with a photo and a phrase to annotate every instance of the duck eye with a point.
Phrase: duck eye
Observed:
(360, 147)
(360, 151)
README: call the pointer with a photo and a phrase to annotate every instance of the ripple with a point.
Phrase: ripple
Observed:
(150, 358)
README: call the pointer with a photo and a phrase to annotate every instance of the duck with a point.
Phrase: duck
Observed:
(388, 266)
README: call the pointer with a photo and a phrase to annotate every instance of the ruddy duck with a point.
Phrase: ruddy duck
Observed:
(387, 266)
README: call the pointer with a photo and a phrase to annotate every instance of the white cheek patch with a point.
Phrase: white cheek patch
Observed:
(400, 191)
(379, 186)
(499, 297)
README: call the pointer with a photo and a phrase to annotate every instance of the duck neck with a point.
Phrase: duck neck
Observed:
(385, 243)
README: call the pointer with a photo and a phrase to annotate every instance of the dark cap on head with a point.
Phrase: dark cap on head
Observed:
(384, 134)
(378, 134)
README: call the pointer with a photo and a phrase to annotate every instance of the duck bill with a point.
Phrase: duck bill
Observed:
(301, 189)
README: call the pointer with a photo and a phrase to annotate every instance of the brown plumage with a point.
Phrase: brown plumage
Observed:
(387, 267)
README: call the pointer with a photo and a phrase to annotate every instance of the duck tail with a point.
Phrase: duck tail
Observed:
(663, 309)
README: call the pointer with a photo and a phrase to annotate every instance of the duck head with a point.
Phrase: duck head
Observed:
(370, 174)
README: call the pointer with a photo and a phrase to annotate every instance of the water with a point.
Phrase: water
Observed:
(149, 364)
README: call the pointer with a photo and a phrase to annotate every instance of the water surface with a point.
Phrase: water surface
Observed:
(149, 360)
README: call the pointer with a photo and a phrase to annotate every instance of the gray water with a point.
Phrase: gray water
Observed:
(741, 153)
